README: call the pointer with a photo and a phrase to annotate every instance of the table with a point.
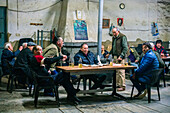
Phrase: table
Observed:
(164, 58)
(96, 70)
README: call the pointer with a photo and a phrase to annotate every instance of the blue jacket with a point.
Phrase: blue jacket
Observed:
(89, 59)
(148, 63)
(10, 56)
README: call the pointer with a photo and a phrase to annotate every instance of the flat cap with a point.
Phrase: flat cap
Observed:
(31, 44)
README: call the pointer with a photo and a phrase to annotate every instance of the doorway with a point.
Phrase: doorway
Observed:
(3, 29)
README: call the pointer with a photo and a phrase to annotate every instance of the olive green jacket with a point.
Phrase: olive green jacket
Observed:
(121, 49)
(51, 51)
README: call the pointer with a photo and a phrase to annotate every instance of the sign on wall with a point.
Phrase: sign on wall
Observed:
(80, 30)
(154, 29)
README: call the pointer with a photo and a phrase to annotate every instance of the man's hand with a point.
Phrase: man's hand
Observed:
(64, 57)
(107, 56)
(20, 48)
(120, 58)
(136, 61)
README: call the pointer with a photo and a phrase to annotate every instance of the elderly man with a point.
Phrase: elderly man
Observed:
(38, 65)
(22, 64)
(56, 49)
(119, 51)
(9, 55)
(148, 63)
(88, 57)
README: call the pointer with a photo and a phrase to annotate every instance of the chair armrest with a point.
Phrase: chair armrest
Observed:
(46, 78)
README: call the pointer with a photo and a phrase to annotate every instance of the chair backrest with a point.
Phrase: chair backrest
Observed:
(34, 76)
(155, 75)
(9, 66)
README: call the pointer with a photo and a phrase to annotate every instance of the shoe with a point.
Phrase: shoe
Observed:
(121, 88)
(74, 98)
(143, 94)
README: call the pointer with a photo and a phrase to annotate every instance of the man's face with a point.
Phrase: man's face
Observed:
(158, 45)
(39, 51)
(60, 43)
(84, 49)
(145, 49)
(10, 48)
(102, 48)
(115, 32)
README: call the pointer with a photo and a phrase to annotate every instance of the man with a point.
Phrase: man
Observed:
(22, 64)
(88, 57)
(104, 52)
(133, 57)
(38, 65)
(160, 49)
(118, 51)
(9, 55)
(148, 63)
(161, 62)
(56, 49)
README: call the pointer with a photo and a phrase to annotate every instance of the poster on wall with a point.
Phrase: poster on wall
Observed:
(80, 30)
(154, 29)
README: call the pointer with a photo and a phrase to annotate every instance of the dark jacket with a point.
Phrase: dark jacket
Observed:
(160, 50)
(148, 63)
(42, 70)
(23, 61)
(89, 59)
(105, 53)
(9, 56)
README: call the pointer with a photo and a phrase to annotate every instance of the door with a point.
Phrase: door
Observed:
(3, 29)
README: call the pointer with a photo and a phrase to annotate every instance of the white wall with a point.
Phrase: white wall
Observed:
(138, 15)
(31, 11)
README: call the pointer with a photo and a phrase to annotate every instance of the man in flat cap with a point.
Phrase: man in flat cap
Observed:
(22, 64)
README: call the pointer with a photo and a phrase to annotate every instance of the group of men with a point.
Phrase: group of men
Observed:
(44, 62)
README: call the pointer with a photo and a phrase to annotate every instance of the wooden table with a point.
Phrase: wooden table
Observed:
(97, 70)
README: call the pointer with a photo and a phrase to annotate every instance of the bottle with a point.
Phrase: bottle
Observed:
(126, 60)
(80, 63)
(111, 60)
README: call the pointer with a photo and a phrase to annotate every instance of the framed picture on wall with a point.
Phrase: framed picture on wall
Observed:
(106, 23)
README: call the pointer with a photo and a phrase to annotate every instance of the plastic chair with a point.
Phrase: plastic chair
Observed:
(39, 85)
(12, 78)
(155, 80)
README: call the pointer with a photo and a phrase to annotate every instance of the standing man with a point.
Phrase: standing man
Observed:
(119, 51)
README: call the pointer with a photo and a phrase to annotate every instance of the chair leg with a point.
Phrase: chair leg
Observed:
(30, 88)
(9, 80)
(57, 95)
(163, 74)
(132, 91)
(84, 84)
(149, 93)
(158, 91)
(11, 87)
(79, 83)
(36, 96)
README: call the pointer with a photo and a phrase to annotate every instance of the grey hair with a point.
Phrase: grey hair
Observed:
(23, 44)
(117, 29)
(6, 45)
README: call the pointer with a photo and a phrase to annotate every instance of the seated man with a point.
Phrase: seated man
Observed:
(148, 63)
(22, 65)
(38, 65)
(160, 49)
(89, 58)
(9, 55)
(104, 52)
